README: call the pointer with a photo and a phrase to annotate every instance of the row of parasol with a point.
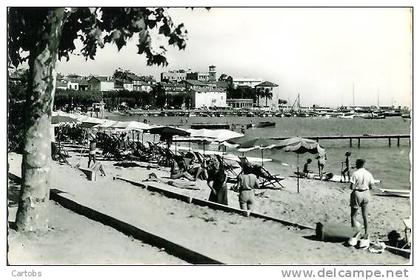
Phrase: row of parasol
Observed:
(222, 137)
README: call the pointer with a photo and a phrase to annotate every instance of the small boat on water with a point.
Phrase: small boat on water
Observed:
(210, 126)
(394, 192)
(266, 124)
(406, 116)
(346, 116)
(374, 116)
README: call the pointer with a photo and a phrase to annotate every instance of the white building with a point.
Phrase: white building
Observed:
(101, 83)
(173, 76)
(250, 82)
(142, 86)
(73, 84)
(128, 85)
(61, 84)
(209, 98)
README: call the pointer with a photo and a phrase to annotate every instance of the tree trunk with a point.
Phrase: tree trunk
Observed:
(32, 212)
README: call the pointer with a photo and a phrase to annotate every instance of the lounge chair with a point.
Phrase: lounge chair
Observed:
(266, 178)
(407, 233)
(58, 153)
(229, 168)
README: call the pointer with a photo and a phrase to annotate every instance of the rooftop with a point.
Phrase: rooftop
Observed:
(266, 84)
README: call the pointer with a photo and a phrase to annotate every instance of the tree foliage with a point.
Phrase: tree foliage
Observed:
(42, 35)
(96, 27)
(241, 92)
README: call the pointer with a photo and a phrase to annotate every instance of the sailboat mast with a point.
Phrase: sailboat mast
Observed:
(353, 95)
(298, 101)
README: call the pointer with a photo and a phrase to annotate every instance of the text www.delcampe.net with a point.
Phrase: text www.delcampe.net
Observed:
(356, 273)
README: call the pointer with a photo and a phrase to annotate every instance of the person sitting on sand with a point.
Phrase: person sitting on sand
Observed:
(178, 170)
(361, 182)
(217, 182)
(306, 170)
(247, 182)
(346, 170)
(195, 168)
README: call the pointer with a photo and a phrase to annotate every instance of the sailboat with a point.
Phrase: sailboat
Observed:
(298, 112)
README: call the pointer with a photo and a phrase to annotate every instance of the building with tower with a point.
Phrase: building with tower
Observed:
(212, 73)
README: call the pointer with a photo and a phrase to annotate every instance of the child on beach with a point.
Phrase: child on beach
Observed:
(92, 151)
(322, 159)
(306, 170)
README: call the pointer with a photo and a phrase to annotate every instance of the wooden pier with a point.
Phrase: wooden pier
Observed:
(357, 138)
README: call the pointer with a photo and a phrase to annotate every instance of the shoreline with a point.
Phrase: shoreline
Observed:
(317, 202)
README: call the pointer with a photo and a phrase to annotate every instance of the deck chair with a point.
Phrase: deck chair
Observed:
(266, 178)
(58, 153)
(229, 168)
(407, 233)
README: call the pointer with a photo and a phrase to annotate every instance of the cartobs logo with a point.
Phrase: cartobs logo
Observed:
(26, 273)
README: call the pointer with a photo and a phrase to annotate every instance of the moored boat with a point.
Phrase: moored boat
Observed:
(266, 124)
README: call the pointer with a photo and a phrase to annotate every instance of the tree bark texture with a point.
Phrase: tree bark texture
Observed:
(32, 212)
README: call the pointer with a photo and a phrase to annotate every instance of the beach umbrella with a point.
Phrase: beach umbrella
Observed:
(299, 146)
(89, 122)
(168, 132)
(105, 124)
(139, 126)
(63, 119)
(260, 143)
(217, 136)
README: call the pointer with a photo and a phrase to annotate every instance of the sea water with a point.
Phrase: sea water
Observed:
(391, 165)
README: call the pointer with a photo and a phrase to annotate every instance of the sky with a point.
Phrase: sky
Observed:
(320, 53)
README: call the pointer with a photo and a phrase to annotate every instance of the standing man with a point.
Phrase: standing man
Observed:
(360, 183)
(92, 150)
(247, 183)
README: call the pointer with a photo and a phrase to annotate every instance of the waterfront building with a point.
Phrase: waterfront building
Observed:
(83, 84)
(142, 86)
(209, 76)
(101, 83)
(250, 82)
(73, 84)
(173, 76)
(173, 88)
(208, 98)
(265, 92)
(212, 73)
(198, 76)
(61, 84)
(198, 85)
(239, 103)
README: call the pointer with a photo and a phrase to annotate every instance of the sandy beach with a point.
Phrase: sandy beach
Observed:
(236, 239)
